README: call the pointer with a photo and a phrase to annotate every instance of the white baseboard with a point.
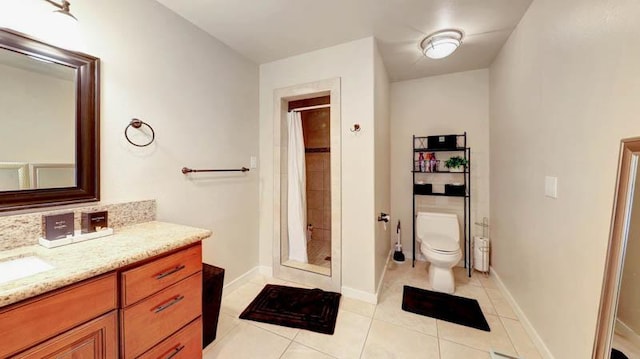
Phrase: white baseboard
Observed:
(360, 295)
(384, 272)
(240, 281)
(627, 332)
(526, 324)
(372, 298)
(266, 271)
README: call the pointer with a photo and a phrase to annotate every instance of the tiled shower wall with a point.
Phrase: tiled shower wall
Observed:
(316, 129)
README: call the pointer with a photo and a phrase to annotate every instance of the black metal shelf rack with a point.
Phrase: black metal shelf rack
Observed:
(420, 145)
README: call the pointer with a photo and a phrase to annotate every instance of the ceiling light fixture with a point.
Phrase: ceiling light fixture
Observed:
(63, 8)
(441, 44)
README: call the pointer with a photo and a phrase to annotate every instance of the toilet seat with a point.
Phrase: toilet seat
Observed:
(441, 244)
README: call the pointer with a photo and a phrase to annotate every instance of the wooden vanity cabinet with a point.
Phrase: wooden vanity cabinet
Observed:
(185, 344)
(147, 310)
(52, 317)
(97, 339)
(162, 307)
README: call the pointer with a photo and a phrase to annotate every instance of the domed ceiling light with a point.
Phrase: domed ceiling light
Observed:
(441, 44)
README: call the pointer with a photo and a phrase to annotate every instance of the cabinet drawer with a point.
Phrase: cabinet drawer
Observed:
(141, 282)
(148, 322)
(35, 320)
(96, 340)
(185, 344)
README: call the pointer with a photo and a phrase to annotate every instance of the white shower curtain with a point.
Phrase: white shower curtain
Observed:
(296, 193)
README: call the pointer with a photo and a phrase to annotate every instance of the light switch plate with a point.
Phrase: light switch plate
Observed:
(551, 187)
(253, 162)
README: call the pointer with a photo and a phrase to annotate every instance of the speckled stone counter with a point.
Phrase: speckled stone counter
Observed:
(24, 229)
(79, 261)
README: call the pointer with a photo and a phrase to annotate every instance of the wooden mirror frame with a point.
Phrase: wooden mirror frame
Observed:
(615, 250)
(87, 124)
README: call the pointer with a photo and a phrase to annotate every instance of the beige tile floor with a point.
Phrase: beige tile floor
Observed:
(318, 250)
(370, 331)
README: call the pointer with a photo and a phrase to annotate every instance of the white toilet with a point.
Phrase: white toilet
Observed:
(438, 236)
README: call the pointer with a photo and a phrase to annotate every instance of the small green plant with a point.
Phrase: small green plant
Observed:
(456, 162)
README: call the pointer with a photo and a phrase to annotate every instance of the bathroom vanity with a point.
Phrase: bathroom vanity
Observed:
(136, 294)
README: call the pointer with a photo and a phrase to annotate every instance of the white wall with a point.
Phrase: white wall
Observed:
(382, 176)
(37, 110)
(353, 63)
(200, 97)
(564, 91)
(445, 104)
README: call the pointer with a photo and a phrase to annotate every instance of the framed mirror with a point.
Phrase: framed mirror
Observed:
(618, 328)
(49, 143)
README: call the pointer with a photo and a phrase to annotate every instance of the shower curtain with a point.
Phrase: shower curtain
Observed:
(296, 191)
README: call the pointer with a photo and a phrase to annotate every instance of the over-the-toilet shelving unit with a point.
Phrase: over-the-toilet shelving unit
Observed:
(420, 145)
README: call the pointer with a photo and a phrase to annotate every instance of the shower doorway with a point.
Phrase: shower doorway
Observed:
(307, 169)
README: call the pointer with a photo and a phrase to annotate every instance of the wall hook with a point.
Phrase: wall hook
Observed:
(355, 128)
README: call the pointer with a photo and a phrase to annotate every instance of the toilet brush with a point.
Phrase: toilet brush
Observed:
(398, 256)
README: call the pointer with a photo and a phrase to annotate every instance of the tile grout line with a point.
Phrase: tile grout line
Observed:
(500, 319)
(319, 351)
(285, 349)
(251, 322)
(217, 340)
(509, 335)
(364, 344)
(462, 345)
(313, 348)
(410, 329)
(438, 340)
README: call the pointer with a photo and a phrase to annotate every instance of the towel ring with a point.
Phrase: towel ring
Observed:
(136, 123)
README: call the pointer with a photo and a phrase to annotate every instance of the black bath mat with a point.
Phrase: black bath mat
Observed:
(310, 309)
(451, 308)
(616, 354)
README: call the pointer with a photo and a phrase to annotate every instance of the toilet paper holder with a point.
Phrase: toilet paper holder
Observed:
(484, 225)
(383, 217)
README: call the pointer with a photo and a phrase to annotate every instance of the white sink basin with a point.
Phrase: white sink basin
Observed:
(22, 267)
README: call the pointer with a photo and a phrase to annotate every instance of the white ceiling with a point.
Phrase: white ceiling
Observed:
(269, 30)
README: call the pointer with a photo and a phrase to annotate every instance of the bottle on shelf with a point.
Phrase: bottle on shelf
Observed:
(421, 162)
(433, 163)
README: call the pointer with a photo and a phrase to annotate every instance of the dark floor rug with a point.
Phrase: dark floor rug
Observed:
(310, 309)
(451, 308)
(616, 354)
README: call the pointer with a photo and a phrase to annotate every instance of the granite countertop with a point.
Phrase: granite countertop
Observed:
(79, 261)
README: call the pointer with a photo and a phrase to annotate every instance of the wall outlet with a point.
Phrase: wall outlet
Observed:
(253, 162)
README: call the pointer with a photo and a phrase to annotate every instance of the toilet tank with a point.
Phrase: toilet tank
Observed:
(437, 224)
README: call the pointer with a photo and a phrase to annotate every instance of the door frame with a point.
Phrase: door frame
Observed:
(282, 97)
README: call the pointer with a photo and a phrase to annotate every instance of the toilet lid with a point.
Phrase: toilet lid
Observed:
(441, 244)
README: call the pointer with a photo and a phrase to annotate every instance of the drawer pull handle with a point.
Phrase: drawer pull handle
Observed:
(174, 301)
(175, 351)
(170, 271)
